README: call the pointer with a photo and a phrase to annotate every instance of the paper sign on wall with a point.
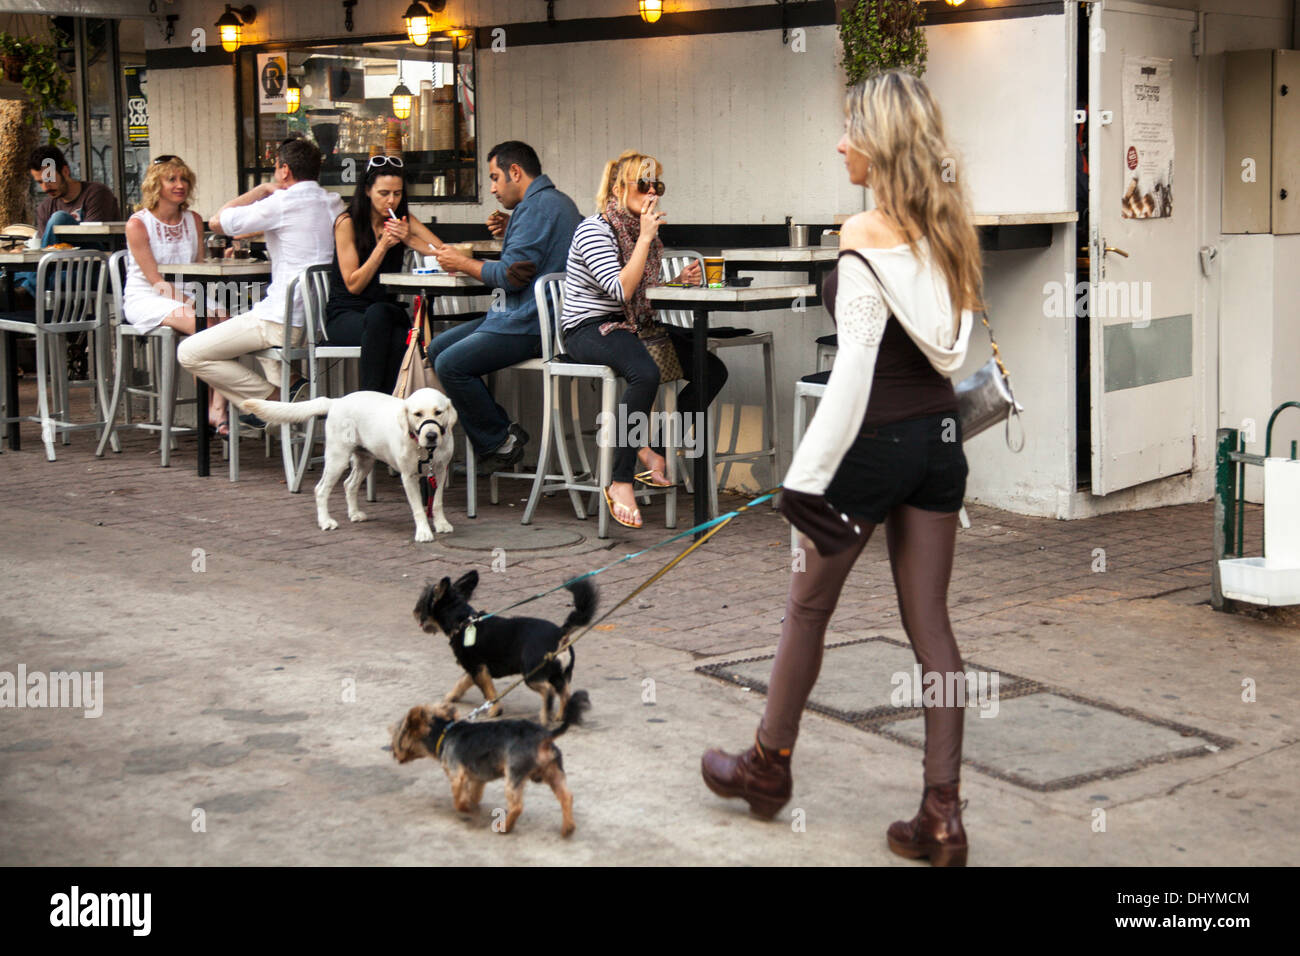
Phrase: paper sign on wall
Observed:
(1148, 138)
(272, 74)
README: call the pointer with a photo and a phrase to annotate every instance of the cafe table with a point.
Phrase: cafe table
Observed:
(810, 259)
(12, 261)
(700, 301)
(211, 272)
(483, 248)
(436, 285)
(111, 234)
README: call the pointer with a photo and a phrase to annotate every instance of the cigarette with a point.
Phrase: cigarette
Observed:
(391, 216)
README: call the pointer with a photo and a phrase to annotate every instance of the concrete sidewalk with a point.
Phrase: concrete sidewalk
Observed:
(224, 692)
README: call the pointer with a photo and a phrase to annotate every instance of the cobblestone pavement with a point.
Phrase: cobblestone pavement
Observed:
(1011, 572)
(224, 688)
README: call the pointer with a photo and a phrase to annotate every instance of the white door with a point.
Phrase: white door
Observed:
(1143, 306)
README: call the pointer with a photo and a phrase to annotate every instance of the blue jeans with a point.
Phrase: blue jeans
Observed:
(27, 280)
(460, 358)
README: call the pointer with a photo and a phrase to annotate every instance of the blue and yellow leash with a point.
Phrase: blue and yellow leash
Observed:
(711, 528)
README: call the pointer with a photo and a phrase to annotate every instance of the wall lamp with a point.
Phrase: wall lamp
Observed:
(417, 17)
(650, 10)
(232, 23)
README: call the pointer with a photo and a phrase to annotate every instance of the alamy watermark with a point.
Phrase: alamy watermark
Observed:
(83, 689)
(655, 429)
(75, 908)
(946, 689)
(1102, 300)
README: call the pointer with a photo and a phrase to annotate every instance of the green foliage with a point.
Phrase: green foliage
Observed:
(879, 35)
(42, 78)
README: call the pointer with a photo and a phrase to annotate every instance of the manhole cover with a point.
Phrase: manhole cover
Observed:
(865, 675)
(1016, 729)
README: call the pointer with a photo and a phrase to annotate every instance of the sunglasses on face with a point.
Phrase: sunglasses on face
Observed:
(644, 186)
(376, 161)
(159, 160)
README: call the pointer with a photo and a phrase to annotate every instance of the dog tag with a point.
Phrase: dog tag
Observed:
(471, 634)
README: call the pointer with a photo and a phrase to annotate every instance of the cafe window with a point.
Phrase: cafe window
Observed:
(346, 104)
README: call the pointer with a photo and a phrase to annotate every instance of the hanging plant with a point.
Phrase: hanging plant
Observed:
(36, 67)
(879, 35)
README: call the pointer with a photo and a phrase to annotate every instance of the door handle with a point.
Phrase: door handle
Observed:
(1116, 250)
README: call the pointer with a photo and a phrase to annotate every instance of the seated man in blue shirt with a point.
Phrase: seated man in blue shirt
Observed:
(536, 242)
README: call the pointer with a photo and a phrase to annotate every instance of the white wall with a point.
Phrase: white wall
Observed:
(1257, 286)
(745, 126)
(1260, 340)
(1007, 96)
(192, 114)
(737, 144)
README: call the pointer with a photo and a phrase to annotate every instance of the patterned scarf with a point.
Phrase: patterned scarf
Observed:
(637, 311)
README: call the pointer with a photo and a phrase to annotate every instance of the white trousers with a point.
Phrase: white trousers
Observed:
(212, 355)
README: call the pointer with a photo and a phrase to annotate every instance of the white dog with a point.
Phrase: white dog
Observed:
(363, 426)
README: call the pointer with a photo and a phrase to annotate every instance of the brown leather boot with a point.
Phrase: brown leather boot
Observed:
(935, 832)
(760, 775)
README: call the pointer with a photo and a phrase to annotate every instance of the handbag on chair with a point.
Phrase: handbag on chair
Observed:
(656, 341)
(416, 371)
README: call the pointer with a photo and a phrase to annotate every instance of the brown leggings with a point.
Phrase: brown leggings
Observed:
(920, 554)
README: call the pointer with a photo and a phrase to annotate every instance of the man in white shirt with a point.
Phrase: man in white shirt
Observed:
(296, 217)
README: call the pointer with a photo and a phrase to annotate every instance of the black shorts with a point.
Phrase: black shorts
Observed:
(918, 462)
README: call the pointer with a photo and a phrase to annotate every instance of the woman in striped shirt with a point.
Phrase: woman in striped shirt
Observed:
(614, 258)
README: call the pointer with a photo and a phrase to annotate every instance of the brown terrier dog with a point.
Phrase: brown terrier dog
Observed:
(474, 752)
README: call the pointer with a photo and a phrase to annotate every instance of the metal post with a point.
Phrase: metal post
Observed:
(1225, 493)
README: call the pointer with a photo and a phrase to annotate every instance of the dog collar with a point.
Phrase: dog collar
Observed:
(437, 747)
(460, 628)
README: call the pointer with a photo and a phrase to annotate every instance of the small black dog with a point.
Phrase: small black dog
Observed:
(502, 646)
(473, 752)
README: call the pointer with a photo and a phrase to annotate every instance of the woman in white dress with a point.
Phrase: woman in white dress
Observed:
(165, 231)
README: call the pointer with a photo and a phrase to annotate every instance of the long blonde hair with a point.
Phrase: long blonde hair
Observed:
(616, 171)
(895, 123)
(151, 188)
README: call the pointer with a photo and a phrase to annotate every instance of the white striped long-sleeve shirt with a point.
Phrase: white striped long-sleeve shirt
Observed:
(591, 285)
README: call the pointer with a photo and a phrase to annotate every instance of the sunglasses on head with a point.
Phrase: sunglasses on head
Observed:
(376, 161)
(159, 160)
(644, 186)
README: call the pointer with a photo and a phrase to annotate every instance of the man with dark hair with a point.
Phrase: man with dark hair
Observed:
(303, 158)
(514, 153)
(296, 217)
(68, 201)
(77, 200)
(537, 238)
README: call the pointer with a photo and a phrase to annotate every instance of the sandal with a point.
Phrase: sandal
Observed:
(221, 431)
(647, 478)
(609, 503)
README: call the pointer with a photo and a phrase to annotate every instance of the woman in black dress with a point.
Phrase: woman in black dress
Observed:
(360, 311)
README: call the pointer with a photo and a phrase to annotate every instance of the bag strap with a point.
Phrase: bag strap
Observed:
(420, 322)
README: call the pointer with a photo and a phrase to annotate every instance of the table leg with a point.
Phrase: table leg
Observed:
(11, 364)
(201, 396)
(699, 377)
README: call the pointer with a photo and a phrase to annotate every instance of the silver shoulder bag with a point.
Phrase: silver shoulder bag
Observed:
(985, 398)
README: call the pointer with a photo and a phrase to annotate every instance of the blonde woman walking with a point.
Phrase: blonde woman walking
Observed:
(884, 447)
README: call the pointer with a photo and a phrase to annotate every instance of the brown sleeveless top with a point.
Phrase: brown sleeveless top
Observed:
(905, 384)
